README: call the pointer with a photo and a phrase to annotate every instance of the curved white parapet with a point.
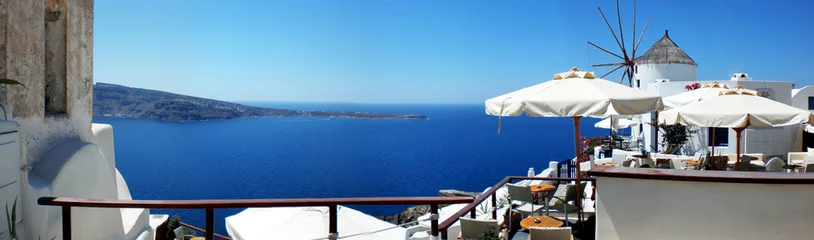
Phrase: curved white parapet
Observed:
(102, 137)
(72, 168)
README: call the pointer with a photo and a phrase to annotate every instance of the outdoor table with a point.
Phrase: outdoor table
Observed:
(542, 189)
(694, 163)
(793, 167)
(544, 222)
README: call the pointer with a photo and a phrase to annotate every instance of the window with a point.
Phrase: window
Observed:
(721, 137)
(810, 103)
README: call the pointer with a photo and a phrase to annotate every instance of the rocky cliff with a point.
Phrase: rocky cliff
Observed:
(412, 213)
(121, 101)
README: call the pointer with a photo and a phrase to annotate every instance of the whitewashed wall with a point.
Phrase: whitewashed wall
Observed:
(633, 209)
(647, 73)
(800, 99)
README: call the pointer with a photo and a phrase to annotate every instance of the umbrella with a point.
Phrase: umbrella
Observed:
(707, 91)
(308, 223)
(736, 109)
(606, 123)
(574, 94)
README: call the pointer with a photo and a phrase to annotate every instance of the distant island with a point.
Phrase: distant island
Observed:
(112, 100)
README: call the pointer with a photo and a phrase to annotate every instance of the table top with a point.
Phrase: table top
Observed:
(792, 166)
(541, 188)
(544, 222)
(693, 162)
(605, 164)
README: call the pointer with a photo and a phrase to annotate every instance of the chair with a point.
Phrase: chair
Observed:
(626, 163)
(617, 159)
(476, 229)
(809, 168)
(648, 161)
(570, 196)
(523, 194)
(775, 165)
(536, 233)
(746, 163)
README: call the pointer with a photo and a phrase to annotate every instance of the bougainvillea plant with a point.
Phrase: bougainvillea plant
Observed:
(693, 86)
(587, 145)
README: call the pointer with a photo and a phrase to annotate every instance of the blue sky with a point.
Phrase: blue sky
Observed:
(424, 51)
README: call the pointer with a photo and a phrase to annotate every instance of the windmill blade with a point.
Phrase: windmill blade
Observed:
(623, 76)
(640, 37)
(621, 33)
(609, 27)
(609, 52)
(608, 64)
(606, 74)
(633, 43)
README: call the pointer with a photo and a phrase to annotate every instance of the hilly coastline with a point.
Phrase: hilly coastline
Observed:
(126, 102)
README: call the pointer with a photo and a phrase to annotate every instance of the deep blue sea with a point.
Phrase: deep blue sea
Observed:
(297, 157)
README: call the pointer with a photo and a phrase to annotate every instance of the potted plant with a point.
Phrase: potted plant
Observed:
(673, 137)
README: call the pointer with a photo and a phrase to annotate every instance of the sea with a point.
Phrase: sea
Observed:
(457, 147)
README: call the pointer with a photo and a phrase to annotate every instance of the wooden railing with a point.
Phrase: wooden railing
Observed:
(211, 205)
(471, 207)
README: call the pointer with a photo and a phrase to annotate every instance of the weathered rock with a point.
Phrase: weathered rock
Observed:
(412, 213)
(409, 215)
(457, 193)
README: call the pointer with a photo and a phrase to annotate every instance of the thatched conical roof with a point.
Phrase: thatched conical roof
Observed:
(665, 51)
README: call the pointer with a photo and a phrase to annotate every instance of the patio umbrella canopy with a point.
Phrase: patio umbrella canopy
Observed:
(307, 223)
(737, 109)
(606, 123)
(706, 91)
(574, 94)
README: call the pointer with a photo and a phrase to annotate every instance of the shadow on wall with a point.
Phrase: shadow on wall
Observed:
(72, 168)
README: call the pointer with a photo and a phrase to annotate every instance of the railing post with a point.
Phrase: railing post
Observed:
(434, 221)
(66, 222)
(210, 224)
(332, 224)
(494, 205)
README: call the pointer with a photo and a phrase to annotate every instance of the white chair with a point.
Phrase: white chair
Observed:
(618, 158)
(523, 195)
(775, 165)
(477, 229)
(536, 233)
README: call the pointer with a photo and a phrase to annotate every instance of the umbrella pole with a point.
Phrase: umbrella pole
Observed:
(579, 173)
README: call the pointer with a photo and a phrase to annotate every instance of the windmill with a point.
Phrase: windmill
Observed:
(628, 61)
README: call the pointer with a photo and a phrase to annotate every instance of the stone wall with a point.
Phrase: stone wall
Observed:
(48, 46)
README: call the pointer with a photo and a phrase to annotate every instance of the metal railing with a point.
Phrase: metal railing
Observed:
(211, 205)
(492, 192)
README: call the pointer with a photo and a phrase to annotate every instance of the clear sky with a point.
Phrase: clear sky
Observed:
(425, 51)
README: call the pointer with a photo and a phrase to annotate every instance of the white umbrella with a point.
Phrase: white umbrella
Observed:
(736, 109)
(707, 91)
(308, 223)
(606, 123)
(574, 94)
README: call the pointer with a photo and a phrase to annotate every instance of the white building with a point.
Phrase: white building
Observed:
(48, 144)
(666, 70)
